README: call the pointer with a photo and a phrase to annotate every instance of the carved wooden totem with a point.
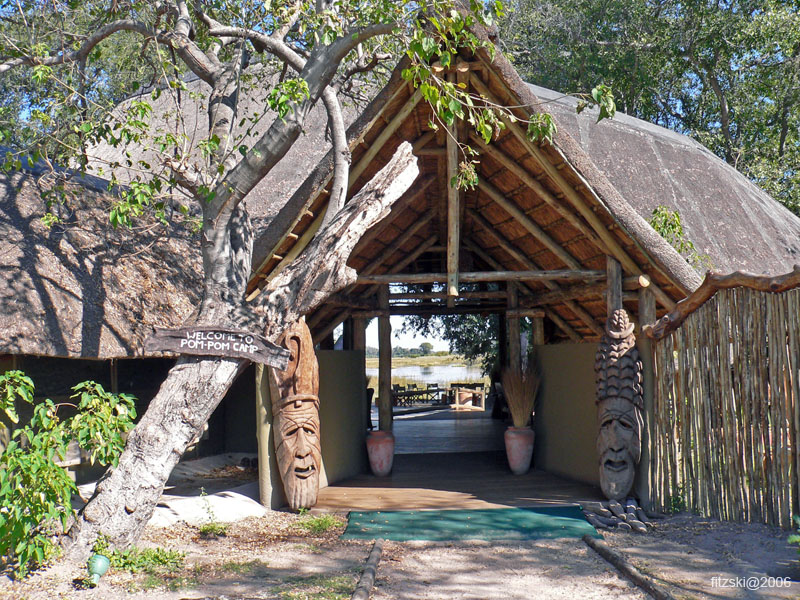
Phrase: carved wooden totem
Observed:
(295, 418)
(618, 375)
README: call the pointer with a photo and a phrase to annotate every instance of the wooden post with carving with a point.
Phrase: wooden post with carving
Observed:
(618, 376)
(294, 394)
(613, 285)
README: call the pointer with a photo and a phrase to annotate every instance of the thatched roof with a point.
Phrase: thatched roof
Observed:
(726, 216)
(589, 194)
(562, 193)
(274, 190)
(81, 288)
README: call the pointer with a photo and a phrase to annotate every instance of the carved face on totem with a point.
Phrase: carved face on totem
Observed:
(618, 372)
(295, 418)
(619, 445)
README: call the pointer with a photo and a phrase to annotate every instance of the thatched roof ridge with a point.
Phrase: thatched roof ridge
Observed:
(81, 288)
(728, 218)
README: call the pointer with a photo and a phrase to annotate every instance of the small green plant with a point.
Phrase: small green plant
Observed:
(795, 537)
(155, 561)
(213, 528)
(668, 225)
(677, 503)
(319, 524)
(35, 492)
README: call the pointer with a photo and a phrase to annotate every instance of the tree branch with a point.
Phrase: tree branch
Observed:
(341, 154)
(322, 268)
(194, 58)
(262, 43)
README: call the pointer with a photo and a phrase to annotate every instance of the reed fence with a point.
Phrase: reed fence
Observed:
(727, 408)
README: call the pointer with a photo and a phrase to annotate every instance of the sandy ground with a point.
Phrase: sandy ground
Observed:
(687, 552)
(271, 557)
(551, 569)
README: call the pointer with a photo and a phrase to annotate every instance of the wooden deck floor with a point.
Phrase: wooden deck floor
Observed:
(444, 476)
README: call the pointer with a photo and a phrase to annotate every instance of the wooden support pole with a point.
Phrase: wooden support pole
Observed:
(538, 331)
(502, 340)
(644, 484)
(613, 285)
(453, 214)
(360, 345)
(347, 334)
(359, 334)
(514, 351)
(384, 362)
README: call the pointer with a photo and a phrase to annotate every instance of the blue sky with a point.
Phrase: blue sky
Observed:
(405, 340)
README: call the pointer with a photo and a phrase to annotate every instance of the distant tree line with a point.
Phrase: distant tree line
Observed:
(424, 349)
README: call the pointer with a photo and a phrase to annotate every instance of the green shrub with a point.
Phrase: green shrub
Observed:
(319, 524)
(795, 537)
(36, 493)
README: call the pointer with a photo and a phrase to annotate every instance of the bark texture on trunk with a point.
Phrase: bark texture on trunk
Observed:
(127, 495)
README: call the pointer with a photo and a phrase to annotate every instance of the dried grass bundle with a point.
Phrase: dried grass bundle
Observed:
(520, 388)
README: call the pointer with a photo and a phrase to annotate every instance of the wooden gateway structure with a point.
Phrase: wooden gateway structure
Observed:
(546, 235)
(556, 234)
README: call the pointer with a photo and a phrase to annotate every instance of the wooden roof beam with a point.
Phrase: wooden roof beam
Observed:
(387, 132)
(529, 224)
(484, 276)
(552, 315)
(420, 187)
(320, 190)
(489, 294)
(341, 316)
(630, 283)
(395, 245)
(528, 264)
(542, 192)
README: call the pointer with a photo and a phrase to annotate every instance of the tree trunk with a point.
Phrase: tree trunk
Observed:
(127, 495)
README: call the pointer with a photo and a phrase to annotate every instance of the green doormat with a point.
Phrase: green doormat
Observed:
(484, 524)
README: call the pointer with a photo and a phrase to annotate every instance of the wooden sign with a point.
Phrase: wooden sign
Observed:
(219, 341)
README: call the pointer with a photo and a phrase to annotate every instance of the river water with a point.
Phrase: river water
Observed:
(441, 374)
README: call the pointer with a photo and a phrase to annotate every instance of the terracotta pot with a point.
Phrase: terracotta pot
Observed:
(519, 448)
(380, 448)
